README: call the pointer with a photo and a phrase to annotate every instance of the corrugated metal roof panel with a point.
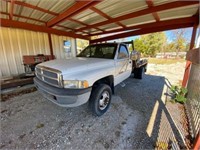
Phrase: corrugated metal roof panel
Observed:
(71, 24)
(4, 16)
(36, 14)
(61, 28)
(61, 6)
(41, 16)
(33, 2)
(92, 30)
(84, 34)
(56, 27)
(89, 17)
(79, 32)
(139, 20)
(54, 6)
(32, 13)
(26, 11)
(17, 9)
(4, 6)
(34, 22)
(22, 19)
(96, 32)
(48, 4)
(113, 28)
(116, 8)
(108, 26)
(46, 17)
(17, 19)
(160, 2)
(178, 12)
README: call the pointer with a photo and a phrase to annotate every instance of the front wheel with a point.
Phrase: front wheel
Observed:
(100, 99)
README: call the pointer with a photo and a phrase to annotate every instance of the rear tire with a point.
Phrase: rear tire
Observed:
(138, 73)
(100, 99)
(145, 68)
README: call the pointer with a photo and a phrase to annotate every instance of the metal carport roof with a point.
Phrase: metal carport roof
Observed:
(86, 18)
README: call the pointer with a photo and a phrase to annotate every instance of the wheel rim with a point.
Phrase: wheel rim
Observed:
(104, 100)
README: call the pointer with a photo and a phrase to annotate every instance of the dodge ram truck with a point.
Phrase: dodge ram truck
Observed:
(91, 76)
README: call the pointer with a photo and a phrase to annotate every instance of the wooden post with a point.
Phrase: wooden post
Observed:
(197, 142)
(50, 46)
(188, 63)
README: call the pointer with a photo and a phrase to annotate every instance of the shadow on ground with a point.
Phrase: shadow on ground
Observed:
(156, 128)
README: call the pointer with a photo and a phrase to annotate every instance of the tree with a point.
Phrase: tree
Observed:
(81, 44)
(179, 40)
(170, 47)
(150, 44)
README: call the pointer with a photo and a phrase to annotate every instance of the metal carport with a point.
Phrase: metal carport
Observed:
(84, 19)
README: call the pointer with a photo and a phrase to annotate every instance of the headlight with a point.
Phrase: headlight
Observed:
(75, 84)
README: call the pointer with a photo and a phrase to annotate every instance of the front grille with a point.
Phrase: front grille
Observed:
(49, 75)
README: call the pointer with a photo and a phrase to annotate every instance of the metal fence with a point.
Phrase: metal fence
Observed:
(193, 100)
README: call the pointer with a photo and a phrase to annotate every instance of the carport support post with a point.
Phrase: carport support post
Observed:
(188, 63)
(50, 46)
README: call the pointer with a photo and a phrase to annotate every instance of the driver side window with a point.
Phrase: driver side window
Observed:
(123, 53)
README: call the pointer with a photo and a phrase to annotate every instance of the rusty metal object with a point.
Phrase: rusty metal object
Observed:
(16, 82)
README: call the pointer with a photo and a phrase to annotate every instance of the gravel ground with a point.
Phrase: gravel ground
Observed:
(29, 121)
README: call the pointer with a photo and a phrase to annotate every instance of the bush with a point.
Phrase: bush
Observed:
(179, 93)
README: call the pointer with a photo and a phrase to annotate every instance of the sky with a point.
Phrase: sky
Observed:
(169, 34)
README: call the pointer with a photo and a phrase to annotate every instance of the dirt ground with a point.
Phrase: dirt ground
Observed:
(29, 121)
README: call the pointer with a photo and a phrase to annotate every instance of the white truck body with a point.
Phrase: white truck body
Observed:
(91, 69)
(86, 69)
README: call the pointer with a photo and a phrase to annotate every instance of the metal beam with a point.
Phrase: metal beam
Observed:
(155, 14)
(50, 45)
(11, 9)
(105, 16)
(194, 19)
(197, 141)
(142, 31)
(194, 32)
(162, 7)
(78, 7)
(188, 63)
(37, 28)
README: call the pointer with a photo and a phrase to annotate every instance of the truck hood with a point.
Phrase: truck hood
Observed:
(78, 64)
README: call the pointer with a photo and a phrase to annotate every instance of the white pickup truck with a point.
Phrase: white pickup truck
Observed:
(91, 76)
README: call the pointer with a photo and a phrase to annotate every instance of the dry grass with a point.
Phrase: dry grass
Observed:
(164, 61)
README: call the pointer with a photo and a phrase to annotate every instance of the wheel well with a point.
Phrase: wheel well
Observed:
(109, 80)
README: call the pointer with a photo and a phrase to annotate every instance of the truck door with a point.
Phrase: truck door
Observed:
(123, 64)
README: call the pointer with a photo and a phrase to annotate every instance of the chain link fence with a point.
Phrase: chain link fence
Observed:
(193, 100)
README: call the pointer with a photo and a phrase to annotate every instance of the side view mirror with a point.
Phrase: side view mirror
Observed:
(135, 55)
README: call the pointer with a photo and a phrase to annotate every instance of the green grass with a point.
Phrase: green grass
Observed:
(164, 61)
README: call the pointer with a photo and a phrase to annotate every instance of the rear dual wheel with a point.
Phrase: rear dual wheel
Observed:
(138, 73)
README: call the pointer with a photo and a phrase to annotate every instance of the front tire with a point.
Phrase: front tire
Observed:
(100, 99)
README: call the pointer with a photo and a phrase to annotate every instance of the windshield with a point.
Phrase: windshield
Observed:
(106, 51)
